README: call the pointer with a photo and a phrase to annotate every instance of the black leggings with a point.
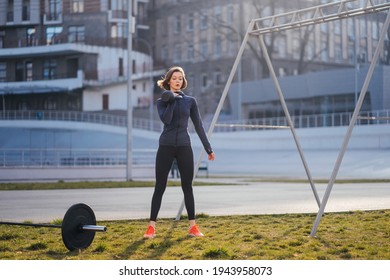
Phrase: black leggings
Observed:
(185, 162)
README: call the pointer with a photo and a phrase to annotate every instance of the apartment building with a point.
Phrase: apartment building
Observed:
(71, 55)
(204, 37)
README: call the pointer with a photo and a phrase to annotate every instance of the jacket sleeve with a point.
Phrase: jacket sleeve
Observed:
(198, 125)
(165, 110)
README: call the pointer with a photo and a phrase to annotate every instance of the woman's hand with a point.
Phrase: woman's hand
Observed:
(211, 156)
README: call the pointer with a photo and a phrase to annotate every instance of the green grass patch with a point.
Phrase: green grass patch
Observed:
(340, 236)
(92, 185)
(318, 181)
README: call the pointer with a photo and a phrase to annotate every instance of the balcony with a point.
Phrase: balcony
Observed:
(52, 18)
(117, 16)
(42, 86)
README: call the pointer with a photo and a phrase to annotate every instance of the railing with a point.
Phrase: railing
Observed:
(78, 116)
(55, 158)
(306, 121)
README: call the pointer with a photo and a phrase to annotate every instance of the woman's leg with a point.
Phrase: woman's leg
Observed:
(164, 160)
(185, 163)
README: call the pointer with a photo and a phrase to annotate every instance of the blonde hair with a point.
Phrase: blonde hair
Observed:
(164, 82)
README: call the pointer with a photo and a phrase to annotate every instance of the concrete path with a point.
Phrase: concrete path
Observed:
(245, 198)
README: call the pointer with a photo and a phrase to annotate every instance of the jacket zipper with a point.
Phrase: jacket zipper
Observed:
(178, 123)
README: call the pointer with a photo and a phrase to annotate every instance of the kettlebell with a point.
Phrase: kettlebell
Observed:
(167, 96)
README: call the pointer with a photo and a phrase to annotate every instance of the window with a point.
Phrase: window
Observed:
(164, 52)
(217, 77)
(337, 27)
(118, 5)
(310, 50)
(53, 35)
(77, 6)
(54, 10)
(163, 26)
(26, 10)
(351, 55)
(281, 45)
(218, 47)
(218, 13)
(23, 105)
(338, 53)
(190, 22)
(76, 34)
(375, 32)
(190, 52)
(49, 69)
(230, 15)
(296, 48)
(10, 11)
(50, 103)
(363, 28)
(231, 44)
(324, 27)
(203, 20)
(351, 29)
(324, 51)
(190, 82)
(176, 25)
(30, 36)
(118, 8)
(3, 72)
(204, 49)
(19, 71)
(118, 30)
(204, 81)
(105, 101)
(177, 53)
(29, 71)
(121, 67)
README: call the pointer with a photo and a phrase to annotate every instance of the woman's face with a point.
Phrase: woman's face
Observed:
(176, 81)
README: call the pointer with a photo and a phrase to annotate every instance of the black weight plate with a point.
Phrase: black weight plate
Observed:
(72, 234)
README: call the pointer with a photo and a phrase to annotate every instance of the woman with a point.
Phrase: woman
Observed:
(174, 109)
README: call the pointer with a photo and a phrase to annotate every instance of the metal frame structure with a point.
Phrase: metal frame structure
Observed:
(294, 20)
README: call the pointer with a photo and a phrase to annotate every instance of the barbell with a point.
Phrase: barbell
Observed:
(77, 229)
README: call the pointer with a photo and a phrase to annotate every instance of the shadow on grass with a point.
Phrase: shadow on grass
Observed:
(154, 248)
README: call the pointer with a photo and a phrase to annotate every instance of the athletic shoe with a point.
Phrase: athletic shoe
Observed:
(150, 232)
(194, 231)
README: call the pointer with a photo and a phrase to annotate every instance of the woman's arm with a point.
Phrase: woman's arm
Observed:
(165, 111)
(198, 124)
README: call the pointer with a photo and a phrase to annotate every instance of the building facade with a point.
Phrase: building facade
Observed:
(204, 37)
(70, 55)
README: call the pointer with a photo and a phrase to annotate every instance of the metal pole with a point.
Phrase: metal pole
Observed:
(220, 104)
(94, 228)
(150, 79)
(129, 173)
(286, 112)
(29, 225)
(351, 125)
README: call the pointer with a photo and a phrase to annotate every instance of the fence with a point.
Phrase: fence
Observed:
(308, 121)
(73, 157)
(303, 121)
(117, 157)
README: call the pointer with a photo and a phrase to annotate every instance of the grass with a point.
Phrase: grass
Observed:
(150, 183)
(90, 185)
(341, 236)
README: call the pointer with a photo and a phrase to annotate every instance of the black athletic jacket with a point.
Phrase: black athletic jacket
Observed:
(175, 116)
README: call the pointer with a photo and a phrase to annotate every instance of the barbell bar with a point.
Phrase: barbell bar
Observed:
(77, 229)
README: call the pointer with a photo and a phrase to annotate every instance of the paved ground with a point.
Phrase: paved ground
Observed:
(248, 198)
